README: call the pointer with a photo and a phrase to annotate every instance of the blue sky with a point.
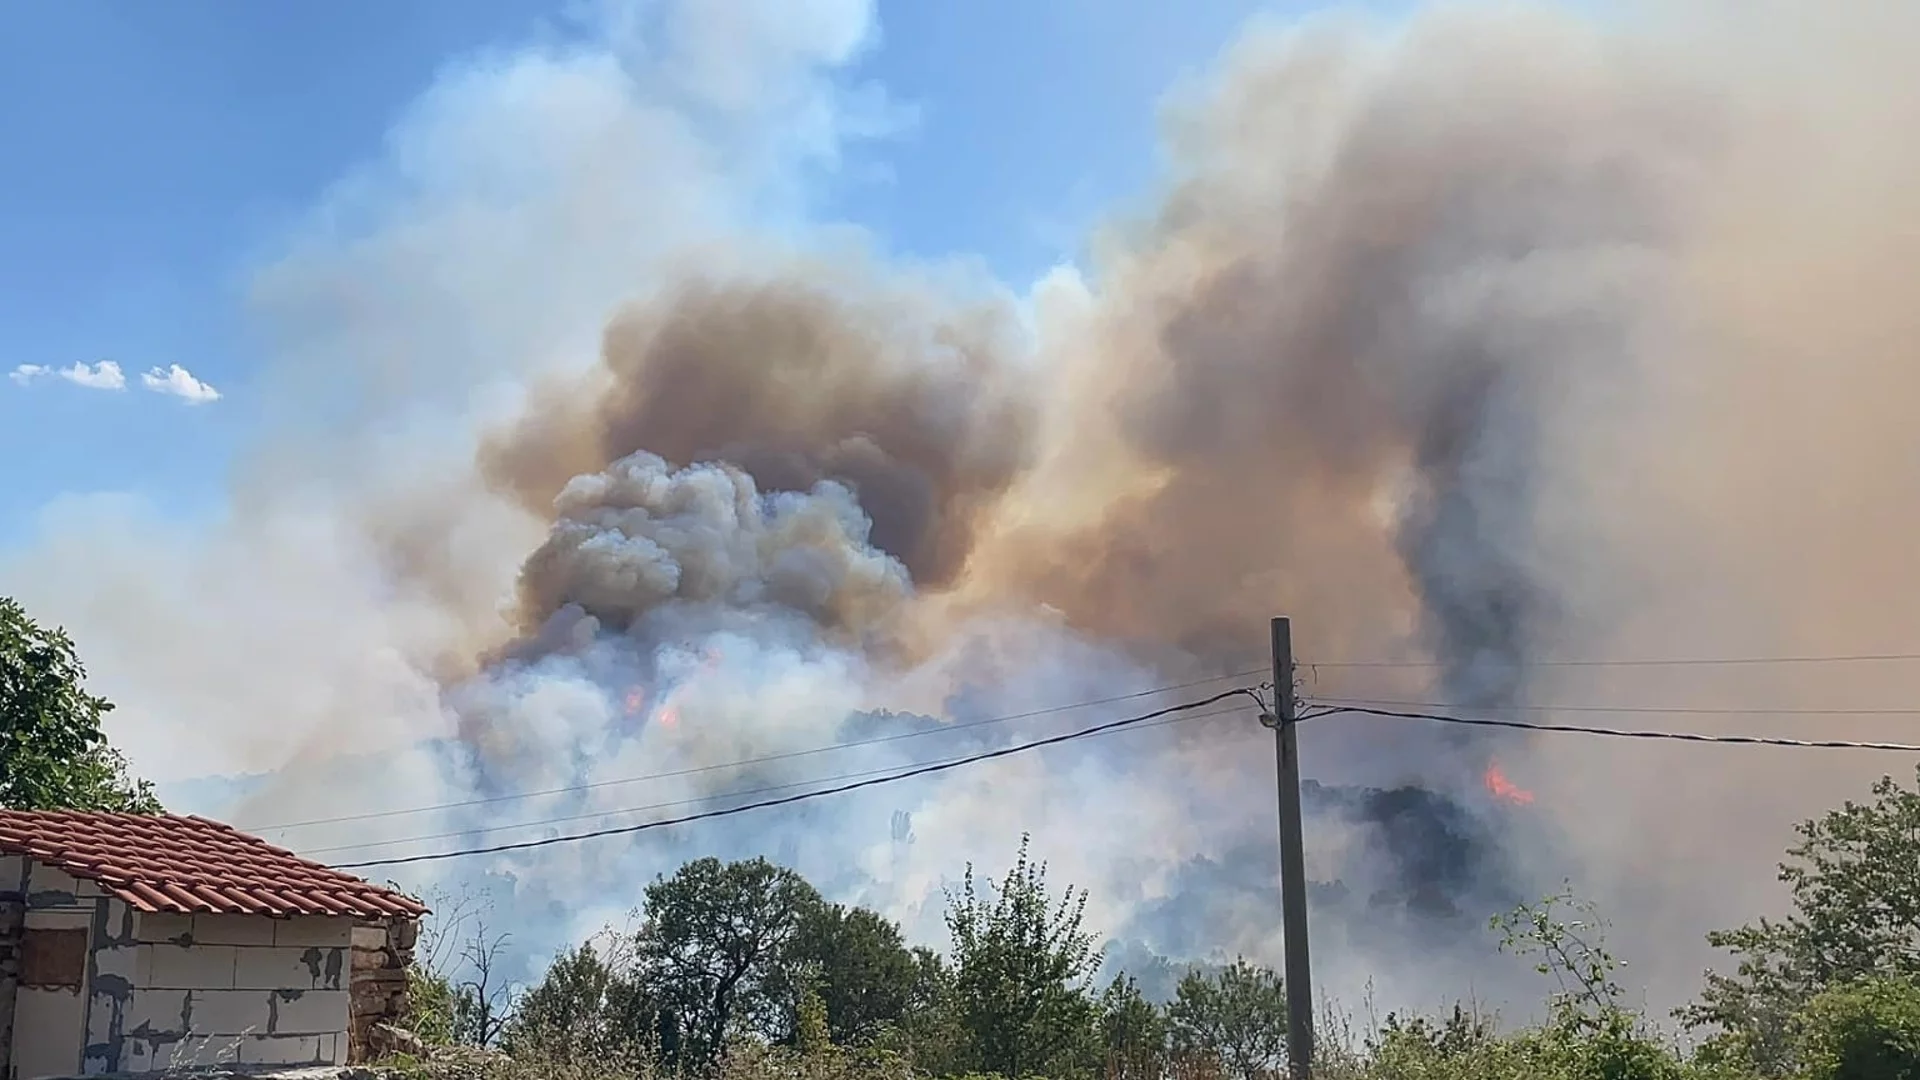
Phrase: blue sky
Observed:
(172, 150)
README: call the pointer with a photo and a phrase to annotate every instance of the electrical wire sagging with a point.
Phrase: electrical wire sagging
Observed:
(893, 777)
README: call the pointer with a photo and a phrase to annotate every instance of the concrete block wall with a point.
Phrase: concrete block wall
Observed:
(208, 989)
(163, 992)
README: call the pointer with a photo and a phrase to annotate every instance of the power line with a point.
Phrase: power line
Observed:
(922, 770)
(744, 762)
(1725, 661)
(697, 800)
(1347, 664)
(1673, 710)
(1676, 736)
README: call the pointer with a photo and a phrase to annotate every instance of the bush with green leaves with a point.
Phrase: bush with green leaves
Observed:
(1235, 1018)
(1854, 877)
(1133, 1031)
(1865, 1030)
(1022, 966)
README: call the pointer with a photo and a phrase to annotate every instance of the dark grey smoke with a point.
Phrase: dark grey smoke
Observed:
(1441, 862)
(1427, 871)
(1483, 606)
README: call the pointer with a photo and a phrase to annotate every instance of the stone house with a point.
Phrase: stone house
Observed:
(154, 943)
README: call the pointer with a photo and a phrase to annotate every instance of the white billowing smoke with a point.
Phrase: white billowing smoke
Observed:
(639, 535)
(1495, 337)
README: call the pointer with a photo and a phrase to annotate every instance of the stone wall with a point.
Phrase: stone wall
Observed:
(382, 959)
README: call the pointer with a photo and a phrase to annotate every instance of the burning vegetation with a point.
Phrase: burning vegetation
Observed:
(1504, 789)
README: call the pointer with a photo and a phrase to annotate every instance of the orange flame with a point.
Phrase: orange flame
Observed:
(670, 716)
(1505, 789)
(636, 701)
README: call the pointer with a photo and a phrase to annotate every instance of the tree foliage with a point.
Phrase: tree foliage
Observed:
(858, 966)
(1235, 1017)
(1133, 1031)
(1864, 1030)
(742, 972)
(1022, 962)
(587, 1004)
(1566, 940)
(53, 753)
(714, 952)
(1854, 877)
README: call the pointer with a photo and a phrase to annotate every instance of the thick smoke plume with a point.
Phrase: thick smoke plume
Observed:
(800, 379)
(637, 535)
(1473, 344)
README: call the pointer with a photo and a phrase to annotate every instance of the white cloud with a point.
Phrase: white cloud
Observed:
(179, 382)
(105, 375)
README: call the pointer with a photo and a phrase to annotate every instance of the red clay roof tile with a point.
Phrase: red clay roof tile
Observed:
(188, 864)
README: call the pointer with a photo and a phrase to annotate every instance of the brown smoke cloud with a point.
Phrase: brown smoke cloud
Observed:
(1342, 360)
(817, 375)
(1334, 375)
(1500, 336)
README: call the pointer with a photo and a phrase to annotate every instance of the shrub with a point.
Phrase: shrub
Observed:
(1868, 1030)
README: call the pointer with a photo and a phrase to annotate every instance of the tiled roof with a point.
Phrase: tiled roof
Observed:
(167, 862)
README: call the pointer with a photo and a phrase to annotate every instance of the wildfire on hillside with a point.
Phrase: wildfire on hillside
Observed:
(1504, 789)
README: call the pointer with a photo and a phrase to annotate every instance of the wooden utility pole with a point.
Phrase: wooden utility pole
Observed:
(1293, 859)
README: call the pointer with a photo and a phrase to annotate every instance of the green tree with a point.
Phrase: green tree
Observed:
(1861, 1030)
(714, 950)
(584, 1009)
(929, 1034)
(1022, 964)
(53, 754)
(1868, 1030)
(1133, 1031)
(1418, 1039)
(1854, 876)
(1235, 1017)
(811, 1035)
(858, 965)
